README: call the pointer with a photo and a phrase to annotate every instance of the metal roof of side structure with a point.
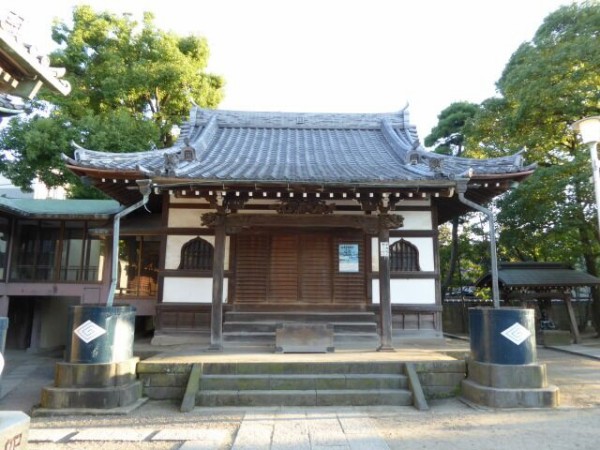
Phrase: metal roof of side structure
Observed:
(539, 275)
(60, 209)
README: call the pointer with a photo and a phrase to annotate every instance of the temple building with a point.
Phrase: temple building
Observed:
(258, 218)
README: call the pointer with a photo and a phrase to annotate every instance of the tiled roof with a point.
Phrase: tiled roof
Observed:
(540, 275)
(235, 146)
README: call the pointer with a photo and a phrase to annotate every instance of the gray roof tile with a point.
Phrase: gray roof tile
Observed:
(235, 146)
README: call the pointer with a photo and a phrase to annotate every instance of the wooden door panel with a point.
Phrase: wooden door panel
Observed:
(297, 268)
(252, 256)
(283, 272)
(315, 268)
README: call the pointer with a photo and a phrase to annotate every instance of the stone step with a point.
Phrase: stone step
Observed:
(268, 326)
(324, 397)
(305, 368)
(303, 382)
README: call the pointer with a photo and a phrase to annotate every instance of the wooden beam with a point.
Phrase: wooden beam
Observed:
(370, 224)
(385, 302)
(216, 322)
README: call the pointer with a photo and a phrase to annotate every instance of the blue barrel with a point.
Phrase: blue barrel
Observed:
(100, 334)
(502, 336)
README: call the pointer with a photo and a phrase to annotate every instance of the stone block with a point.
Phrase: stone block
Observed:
(91, 398)
(547, 397)
(164, 393)
(164, 380)
(450, 379)
(14, 429)
(551, 338)
(298, 337)
(504, 376)
(95, 375)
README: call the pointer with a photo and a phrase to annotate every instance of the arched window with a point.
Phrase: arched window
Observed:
(196, 254)
(404, 257)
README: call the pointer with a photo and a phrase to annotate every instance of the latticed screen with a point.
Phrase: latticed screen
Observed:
(196, 254)
(404, 257)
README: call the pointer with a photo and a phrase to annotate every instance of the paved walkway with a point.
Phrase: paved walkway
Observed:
(160, 425)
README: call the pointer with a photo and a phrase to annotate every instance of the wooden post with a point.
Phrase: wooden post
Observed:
(216, 320)
(385, 303)
(572, 320)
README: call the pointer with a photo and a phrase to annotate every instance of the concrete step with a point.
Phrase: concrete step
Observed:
(303, 382)
(325, 397)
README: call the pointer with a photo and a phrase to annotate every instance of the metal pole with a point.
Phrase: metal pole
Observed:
(596, 177)
(492, 234)
(145, 191)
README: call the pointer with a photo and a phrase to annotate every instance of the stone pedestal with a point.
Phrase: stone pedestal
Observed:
(509, 386)
(89, 387)
(99, 374)
(502, 370)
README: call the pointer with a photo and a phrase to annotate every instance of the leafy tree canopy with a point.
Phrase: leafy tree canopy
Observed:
(131, 84)
(448, 135)
(548, 83)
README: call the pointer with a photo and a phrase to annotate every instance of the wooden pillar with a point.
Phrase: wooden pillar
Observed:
(216, 320)
(572, 319)
(385, 302)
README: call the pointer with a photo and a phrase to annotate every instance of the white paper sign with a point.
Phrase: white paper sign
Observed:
(384, 249)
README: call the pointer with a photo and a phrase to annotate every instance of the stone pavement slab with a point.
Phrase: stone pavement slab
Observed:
(215, 437)
(111, 434)
(49, 434)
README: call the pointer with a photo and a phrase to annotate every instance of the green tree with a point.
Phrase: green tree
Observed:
(132, 83)
(548, 84)
(448, 138)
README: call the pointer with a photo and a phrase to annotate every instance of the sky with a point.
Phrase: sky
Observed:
(337, 55)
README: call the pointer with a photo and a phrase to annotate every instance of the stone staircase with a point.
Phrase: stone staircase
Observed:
(248, 328)
(298, 384)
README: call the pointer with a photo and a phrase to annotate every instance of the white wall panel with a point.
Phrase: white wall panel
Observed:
(189, 290)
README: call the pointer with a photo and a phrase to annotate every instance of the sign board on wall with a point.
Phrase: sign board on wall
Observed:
(348, 258)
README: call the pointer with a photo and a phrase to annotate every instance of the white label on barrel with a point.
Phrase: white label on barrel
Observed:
(516, 333)
(88, 331)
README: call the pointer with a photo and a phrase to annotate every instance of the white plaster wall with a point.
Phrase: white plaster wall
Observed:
(188, 200)
(190, 290)
(174, 244)
(416, 220)
(424, 246)
(413, 291)
(185, 218)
